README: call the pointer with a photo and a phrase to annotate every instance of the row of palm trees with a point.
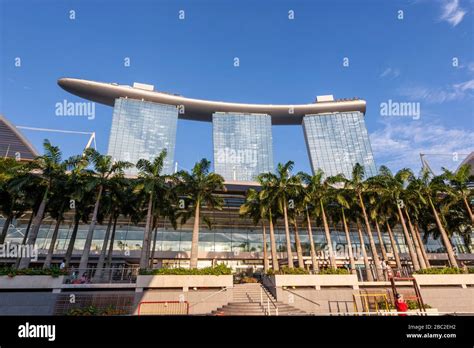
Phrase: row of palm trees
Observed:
(437, 205)
(94, 188)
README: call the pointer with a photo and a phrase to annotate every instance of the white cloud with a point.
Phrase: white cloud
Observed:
(389, 72)
(454, 92)
(452, 12)
(399, 144)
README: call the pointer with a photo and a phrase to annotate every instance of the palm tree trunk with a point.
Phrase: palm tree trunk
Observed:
(299, 251)
(349, 243)
(100, 264)
(275, 265)
(408, 241)
(382, 244)
(111, 245)
(146, 234)
(49, 256)
(444, 236)
(419, 253)
(468, 209)
(375, 255)
(332, 258)
(150, 236)
(72, 241)
(87, 245)
(289, 253)
(314, 260)
(368, 270)
(265, 252)
(6, 225)
(423, 251)
(25, 261)
(152, 258)
(28, 228)
(195, 239)
(395, 251)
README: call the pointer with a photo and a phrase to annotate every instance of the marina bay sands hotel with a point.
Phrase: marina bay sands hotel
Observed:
(145, 122)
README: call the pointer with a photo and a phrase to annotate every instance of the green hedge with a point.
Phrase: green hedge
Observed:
(95, 311)
(334, 271)
(11, 272)
(217, 270)
(444, 270)
(287, 270)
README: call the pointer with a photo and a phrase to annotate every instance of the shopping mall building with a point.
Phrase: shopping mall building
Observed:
(144, 122)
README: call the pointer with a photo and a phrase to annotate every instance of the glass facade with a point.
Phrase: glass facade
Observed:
(229, 234)
(242, 145)
(336, 142)
(142, 129)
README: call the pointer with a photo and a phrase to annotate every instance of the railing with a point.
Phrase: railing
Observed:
(267, 307)
(126, 275)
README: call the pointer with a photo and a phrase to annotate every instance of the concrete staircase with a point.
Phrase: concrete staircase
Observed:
(247, 299)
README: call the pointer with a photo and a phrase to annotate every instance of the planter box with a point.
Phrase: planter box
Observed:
(313, 280)
(463, 280)
(184, 281)
(31, 282)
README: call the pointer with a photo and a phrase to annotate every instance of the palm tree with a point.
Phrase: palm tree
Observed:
(317, 195)
(393, 187)
(165, 209)
(253, 208)
(151, 182)
(111, 201)
(359, 187)
(296, 208)
(458, 186)
(428, 190)
(14, 179)
(57, 206)
(268, 204)
(341, 198)
(199, 188)
(46, 169)
(282, 185)
(104, 169)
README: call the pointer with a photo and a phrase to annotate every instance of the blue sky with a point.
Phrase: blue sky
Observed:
(282, 60)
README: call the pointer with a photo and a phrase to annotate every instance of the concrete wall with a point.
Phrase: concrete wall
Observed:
(449, 298)
(211, 299)
(27, 303)
(443, 298)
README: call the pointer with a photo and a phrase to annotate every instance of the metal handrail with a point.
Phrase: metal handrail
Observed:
(269, 300)
(207, 297)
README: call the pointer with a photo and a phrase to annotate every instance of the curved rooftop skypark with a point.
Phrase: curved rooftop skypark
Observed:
(203, 110)
(145, 122)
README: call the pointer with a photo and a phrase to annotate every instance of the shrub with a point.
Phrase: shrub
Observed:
(444, 270)
(334, 271)
(288, 270)
(12, 272)
(220, 269)
(96, 311)
(410, 303)
(248, 280)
